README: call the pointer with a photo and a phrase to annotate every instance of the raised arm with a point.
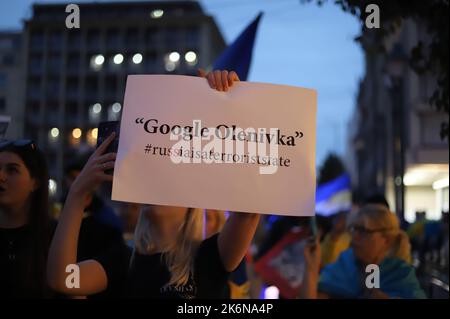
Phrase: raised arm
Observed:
(309, 285)
(63, 249)
(235, 238)
(238, 232)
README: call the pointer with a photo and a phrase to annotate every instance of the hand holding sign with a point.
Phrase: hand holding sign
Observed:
(219, 80)
(94, 172)
(312, 253)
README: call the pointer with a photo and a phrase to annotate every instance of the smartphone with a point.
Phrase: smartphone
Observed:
(105, 129)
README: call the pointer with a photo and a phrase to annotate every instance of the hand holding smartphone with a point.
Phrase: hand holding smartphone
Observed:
(105, 129)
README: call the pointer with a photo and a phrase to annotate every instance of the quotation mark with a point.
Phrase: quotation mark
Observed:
(139, 120)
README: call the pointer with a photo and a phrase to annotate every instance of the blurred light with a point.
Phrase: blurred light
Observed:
(174, 57)
(76, 133)
(99, 59)
(118, 58)
(97, 108)
(412, 178)
(439, 283)
(137, 58)
(156, 14)
(170, 66)
(91, 137)
(54, 132)
(271, 292)
(439, 184)
(116, 107)
(52, 186)
(190, 57)
(94, 133)
(425, 174)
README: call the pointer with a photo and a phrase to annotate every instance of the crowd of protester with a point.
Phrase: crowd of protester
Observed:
(151, 251)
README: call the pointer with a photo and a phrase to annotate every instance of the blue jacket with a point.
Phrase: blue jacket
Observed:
(344, 278)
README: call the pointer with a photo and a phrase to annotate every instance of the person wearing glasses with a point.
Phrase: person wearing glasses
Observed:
(378, 241)
(25, 226)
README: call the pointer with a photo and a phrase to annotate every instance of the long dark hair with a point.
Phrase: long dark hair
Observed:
(34, 276)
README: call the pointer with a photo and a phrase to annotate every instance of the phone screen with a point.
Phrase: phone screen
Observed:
(105, 129)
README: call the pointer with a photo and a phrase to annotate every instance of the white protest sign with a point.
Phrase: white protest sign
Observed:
(251, 149)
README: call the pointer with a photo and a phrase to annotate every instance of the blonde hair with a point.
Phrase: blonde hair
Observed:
(179, 258)
(221, 219)
(377, 216)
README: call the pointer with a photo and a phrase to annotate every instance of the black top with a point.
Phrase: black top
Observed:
(147, 275)
(19, 279)
(12, 246)
(96, 238)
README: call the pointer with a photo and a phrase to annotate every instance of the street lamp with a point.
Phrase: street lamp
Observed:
(395, 67)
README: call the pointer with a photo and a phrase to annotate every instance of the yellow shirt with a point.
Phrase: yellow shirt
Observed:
(332, 248)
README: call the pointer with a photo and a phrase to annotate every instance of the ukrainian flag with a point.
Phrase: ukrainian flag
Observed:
(334, 196)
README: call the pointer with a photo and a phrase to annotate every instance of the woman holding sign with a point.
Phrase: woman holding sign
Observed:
(377, 266)
(170, 260)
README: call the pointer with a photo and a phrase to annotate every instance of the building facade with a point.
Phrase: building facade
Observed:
(375, 123)
(75, 78)
(11, 83)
